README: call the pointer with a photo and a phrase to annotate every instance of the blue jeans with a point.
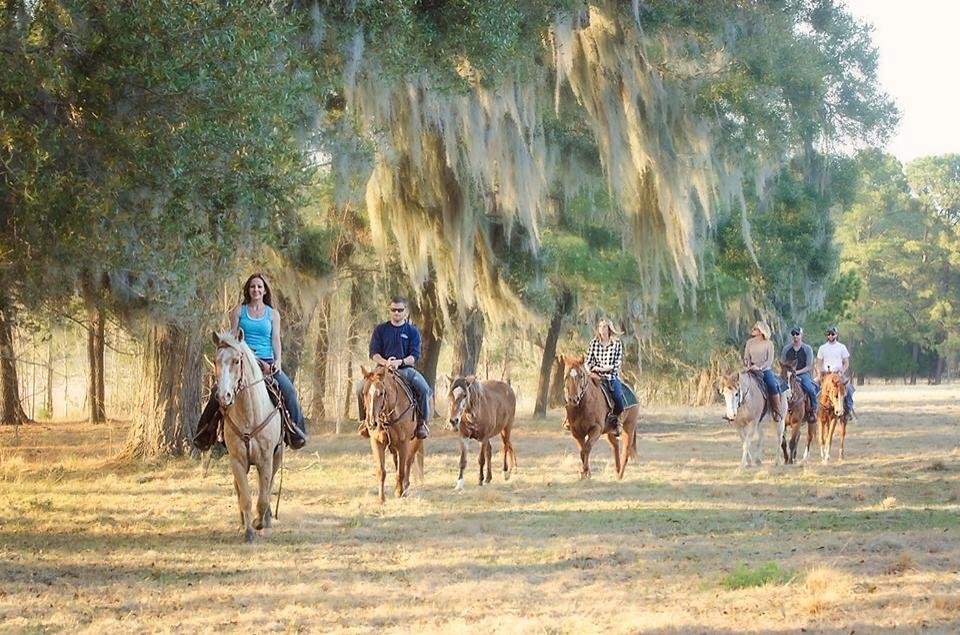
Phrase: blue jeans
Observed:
(773, 386)
(848, 398)
(289, 398)
(420, 387)
(809, 388)
(616, 390)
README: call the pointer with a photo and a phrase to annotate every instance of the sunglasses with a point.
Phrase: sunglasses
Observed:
(831, 334)
(395, 310)
(794, 332)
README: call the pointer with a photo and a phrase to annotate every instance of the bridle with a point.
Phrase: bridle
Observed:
(382, 418)
(238, 388)
(739, 393)
(834, 397)
(581, 380)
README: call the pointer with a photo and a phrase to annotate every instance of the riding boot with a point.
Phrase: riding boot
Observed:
(422, 431)
(613, 422)
(811, 415)
(207, 431)
(296, 439)
(775, 406)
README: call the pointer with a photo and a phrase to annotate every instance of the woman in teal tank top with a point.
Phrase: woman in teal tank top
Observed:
(261, 331)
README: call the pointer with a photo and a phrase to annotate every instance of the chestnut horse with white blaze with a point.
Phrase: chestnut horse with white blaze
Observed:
(745, 397)
(797, 407)
(587, 410)
(390, 420)
(252, 427)
(481, 410)
(830, 413)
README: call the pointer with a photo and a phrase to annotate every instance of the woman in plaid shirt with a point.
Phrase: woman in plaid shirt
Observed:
(605, 357)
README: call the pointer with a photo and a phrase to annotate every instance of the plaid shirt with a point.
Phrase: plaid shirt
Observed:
(600, 355)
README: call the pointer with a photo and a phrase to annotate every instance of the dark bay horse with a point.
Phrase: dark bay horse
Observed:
(797, 408)
(830, 413)
(587, 412)
(390, 420)
(481, 410)
(252, 427)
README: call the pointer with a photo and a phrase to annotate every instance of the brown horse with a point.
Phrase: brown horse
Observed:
(481, 410)
(390, 420)
(587, 413)
(796, 415)
(252, 428)
(830, 413)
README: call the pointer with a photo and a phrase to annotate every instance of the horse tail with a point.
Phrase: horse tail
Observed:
(632, 453)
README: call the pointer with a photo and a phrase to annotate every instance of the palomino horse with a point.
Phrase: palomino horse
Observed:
(481, 410)
(745, 396)
(390, 420)
(830, 413)
(587, 412)
(252, 430)
(797, 408)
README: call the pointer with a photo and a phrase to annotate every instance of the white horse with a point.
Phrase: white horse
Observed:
(252, 427)
(744, 396)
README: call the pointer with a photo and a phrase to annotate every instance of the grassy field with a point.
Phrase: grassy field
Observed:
(685, 542)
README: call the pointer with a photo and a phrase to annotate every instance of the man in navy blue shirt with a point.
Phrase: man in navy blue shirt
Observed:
(396, 343)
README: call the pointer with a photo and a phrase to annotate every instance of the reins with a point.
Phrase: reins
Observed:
(384, 418)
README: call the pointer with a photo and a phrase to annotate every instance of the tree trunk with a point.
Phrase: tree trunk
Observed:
(936, 369)
(356, 301)
(95, 388)
(564, 306)
(294, 334)
(48, 397)
(468, 345)
(170, 393)
(431, 332)
(320, 359)
(916, 364)
(11, 410)
(555, 398)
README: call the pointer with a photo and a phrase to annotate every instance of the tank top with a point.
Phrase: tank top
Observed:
(257, 332)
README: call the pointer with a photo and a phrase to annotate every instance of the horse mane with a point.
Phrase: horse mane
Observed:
(226, 339)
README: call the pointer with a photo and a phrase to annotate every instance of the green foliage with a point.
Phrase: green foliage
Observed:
(157, 146)
(745, 577)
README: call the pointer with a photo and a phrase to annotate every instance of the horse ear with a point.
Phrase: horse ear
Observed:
(583, 359)
(364, 371)
(239, 334)
(471, 378)
(216, 339)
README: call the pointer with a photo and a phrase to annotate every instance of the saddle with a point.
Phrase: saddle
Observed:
(629, 397)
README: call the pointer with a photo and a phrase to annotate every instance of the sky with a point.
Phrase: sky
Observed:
(919, 46)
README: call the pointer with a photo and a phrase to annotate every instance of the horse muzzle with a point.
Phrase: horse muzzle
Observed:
(454, 424)
(226, 398)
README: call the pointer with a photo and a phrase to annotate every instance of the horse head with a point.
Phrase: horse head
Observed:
(234, 366)
(379, 395)
(463, 395)
(732, 392)
(832, 392)
(575, 378)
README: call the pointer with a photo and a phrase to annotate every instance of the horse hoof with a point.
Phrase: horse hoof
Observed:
(506, 476)
(458, 487)
(248, 535)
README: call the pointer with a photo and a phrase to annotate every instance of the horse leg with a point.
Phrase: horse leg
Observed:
(243, 496)
(843, 435)
(615, 448)
(400, 457)
(379, 455)
(758, 435)
(489, 453)
(480, 459)
(580, 445)
(265, 473)
(811, 431)
(745, 437)
(506, 448)
(463, 463)
(781, 435)
(588, 442)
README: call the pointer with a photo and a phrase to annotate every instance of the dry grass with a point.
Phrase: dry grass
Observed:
(156, 549)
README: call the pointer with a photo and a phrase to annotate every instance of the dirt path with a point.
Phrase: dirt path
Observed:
(872, 544)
